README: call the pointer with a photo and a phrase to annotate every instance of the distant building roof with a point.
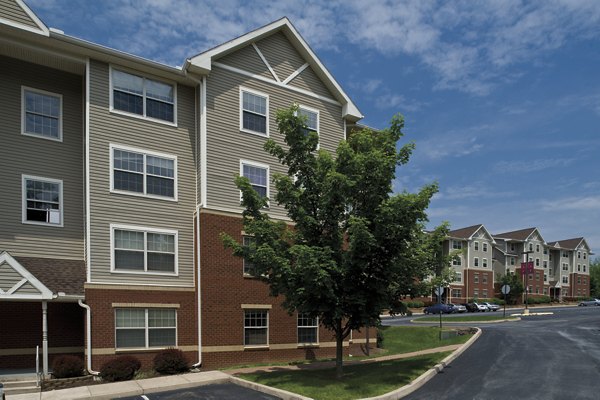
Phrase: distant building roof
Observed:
(570, 244)
(465, 233)
(521, 234)
(60, 276)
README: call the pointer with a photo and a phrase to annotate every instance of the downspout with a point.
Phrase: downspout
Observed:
(199, 363)
(88, 311)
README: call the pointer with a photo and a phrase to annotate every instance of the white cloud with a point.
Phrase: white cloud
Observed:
(532, 165)
(589, 203)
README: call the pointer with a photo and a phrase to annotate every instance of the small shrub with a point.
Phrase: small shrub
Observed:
(170, 362)
(122, 368)
(415, 304)
(67, 367)
(379, 338)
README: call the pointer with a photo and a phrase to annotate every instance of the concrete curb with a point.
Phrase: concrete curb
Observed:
(467, 323)
(283, 394)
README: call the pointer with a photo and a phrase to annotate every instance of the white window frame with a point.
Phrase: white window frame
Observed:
(61, 201)
(476, 262)
(484, 247)
(565, 279)
(241, 111)
(144, 153)
(457, 261)
(146, 328)
(315, 111)
(484, 262)
(144, 77)
(246, 274)
(145, 230)
(266, 310)
(257, 165)
(298, 326)
(476, 246)
(24, 113)
(456, 245)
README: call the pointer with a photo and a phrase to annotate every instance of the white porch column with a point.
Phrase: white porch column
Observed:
(45, 336)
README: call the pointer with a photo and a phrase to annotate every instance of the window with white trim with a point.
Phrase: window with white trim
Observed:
(142, 96)
(565, 279)
(145, 327)
(484, 293)
(42, 201)
(144, 250)
(512, 247)
(256, 327)
(456, 293)
(537, 248)
(308, 329)
(41, 113)
(143, 173)
(476, 278)
(456, 244)
(485, 247)
(484, 279)
(584, 255)
(248, 266)
(254, 112)
(512, 261)
(458, 277)
(476, 261)
(530, 246)
(578, 254)
(476, 245)
(484, 263)
(258, 175)
(456, 261)
(565, 267)
(537, 262)
(578, 267)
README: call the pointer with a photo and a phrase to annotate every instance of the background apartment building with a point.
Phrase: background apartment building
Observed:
(121, 183)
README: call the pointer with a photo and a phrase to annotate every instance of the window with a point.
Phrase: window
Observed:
(550, 257)
(254, 114)
(248, 266)
(484, 246)
(537, 248)
(545, 291)
(584, 255)
(537, 262)
(565, 279)
(456, 292)
(565, 254)
(458, 277)
(476, 278)
(476, 292)
(308, 329)
(584, 268)
(142, 96)
(476, 245)
(537, 276)
(578, 254)
(312, 118)
(484, 279)
(476, 261)
(41, 114)
(42, 201)
(258, 175)
(530, 246)
(537, 290)
(545, 250)
(484, 263)
(545, 278)
(145, 327)
(256, 328)
(143, 250)
(578, 267)
(484, 293)
(565, 267)
(545, 264)
(456, 261)
(579, 280)
(143, 173)
(512, 261)
(456, 244)
(512, 247)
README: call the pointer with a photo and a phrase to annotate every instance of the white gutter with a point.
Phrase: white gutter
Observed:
(89, 337)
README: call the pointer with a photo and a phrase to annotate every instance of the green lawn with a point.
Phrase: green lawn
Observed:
(360, 381)
(406, 339)
(466, 318)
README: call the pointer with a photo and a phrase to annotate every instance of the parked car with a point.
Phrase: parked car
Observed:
(471, 307)
(457, 308)
(491, 306)
(439, 308)
(595, 302)
(481, 307)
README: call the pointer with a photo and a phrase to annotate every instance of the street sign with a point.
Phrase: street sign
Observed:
(439, 290)
(505, 289)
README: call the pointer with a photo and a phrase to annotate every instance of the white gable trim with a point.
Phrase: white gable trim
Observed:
(295, 74)
(539, 234)
(485, 231)
(42, 28)
(45, 293)
(264, 60)
(204, 61)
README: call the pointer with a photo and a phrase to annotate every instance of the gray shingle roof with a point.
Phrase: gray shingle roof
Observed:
(67, 276)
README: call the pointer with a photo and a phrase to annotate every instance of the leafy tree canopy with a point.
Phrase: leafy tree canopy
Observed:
(350, 250)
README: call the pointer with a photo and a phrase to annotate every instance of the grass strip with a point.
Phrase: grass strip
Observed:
(466, 318)
(359, 381)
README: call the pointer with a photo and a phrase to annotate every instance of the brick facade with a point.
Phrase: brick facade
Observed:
(480, 283)
(579, 285)
(224, 290)
(21, 332)
(101, 302)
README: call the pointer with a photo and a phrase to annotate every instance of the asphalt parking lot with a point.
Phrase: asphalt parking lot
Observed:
(226, 391)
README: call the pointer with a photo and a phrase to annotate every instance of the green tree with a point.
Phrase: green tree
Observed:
(351, 237)
(595, 278)
(516, 287)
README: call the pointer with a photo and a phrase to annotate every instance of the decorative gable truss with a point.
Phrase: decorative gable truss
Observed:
(17, 283)
(17, 14)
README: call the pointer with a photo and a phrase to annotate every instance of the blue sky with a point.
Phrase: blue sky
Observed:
(502, 98)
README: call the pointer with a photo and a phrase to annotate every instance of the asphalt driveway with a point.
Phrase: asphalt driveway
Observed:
(226, 391)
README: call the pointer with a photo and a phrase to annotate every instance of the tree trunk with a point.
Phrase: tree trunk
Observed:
(339, 351)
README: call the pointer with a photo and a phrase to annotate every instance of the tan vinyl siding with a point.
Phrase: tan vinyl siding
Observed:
(41, 157)
(114, 208)
(226, 145)
(9, 9)
(247, 59)
(280, 54)
(8, 277)
(27, 289)
(308, 80)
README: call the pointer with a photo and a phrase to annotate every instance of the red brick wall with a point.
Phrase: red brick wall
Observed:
(579, 282)
(470, 285)
(22, 329)
(225, 289)
(535, 281)
(103, 319)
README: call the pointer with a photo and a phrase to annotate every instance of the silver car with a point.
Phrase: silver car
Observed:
(595, 302)
(458, 308)
(491, 307)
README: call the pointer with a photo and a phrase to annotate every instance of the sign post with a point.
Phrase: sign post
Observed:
(505, 291)
(526, 269)
(440, 291)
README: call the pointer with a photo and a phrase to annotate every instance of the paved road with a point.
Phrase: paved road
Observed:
(226, 391)
(540, 357)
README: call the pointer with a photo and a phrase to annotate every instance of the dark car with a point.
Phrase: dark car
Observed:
(438, 308)
(471, 307)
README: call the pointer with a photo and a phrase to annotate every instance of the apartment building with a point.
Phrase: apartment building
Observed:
(474, 275)
(121, 183)
(560, 268)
